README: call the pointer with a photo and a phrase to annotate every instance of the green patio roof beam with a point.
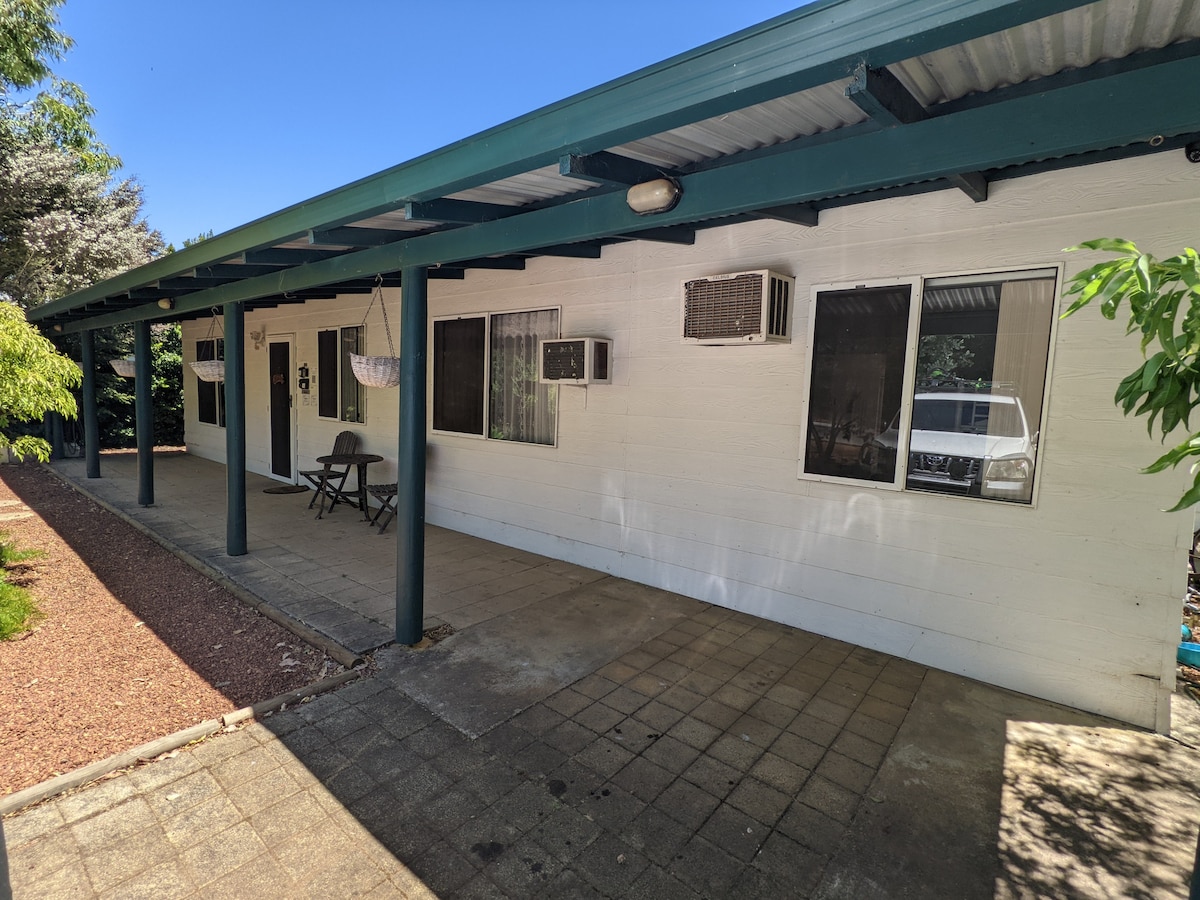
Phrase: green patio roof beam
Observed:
(608, 168)
(879, 94)
(457, 212)
(356, 237)
(816, 44)
(794, 214)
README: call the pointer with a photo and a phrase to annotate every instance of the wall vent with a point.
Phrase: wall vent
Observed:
(583, 360)
(739, 308)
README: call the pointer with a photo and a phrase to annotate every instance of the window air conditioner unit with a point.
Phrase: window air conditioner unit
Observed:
(739, 308)
(584, 360)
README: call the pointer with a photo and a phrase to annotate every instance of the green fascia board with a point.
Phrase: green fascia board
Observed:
(1153, 100)
(813, 45)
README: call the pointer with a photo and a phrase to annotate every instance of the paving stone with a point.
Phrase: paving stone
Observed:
(537, 760)
(447, 811)
(812, 828)
(618, 672)
(526, 806)
(350, 784)
(444, 869)
(669, 670)
(566, 833)
(610, 865)
(595, 686)
(831, 799)
(644, 779)
(539, 719)
(687, 803)
(570, 737)
(480, 888)
(656, 835)
(819, 731)
(756, 730)
(702, 684)
(639, 660)
(459, 762)
(735, 832)
(759, 800)
(695, 733)
(166, 881)
(716, 714)
(419, 784)
(569, 885)
(598, 717)
(568, 702)
(433, 740)
(848, 773)
(113, 826)
(736, 749)
(633, 735)
(246, 766)
(97, 798)
(658, 716)
(523, 869)
(30, 824)
(200, 822)
(604, 756)
(343, 722)
(827, 711)
(274, 825)
(794, 868)
(261, 877)
(860, 749)
(612, 807)
(222, 853)
(882, 710)
(503, 740)
(706, 868)
(900, 696)
(780, 773)
(491, 781)
(671, 754)
(681, 698)
(572, 782)
(716, 777)
(876, 730)
(857, 682)
(625, 700)
(52, 863)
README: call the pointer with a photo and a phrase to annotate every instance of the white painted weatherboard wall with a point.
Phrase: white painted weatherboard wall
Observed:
(682, 473)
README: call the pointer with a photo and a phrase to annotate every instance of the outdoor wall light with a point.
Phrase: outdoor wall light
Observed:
(166, 303)
(658, 196)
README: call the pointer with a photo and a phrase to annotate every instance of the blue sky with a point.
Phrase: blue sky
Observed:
(228, 111)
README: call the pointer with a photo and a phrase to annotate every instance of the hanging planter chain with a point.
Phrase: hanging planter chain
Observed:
(377, 371)
(211, 369)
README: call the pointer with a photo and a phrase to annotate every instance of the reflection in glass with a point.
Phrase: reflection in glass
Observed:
(981, 372)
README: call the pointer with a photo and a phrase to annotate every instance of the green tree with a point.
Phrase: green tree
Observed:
(29, 39)
(1163, 301)
(34, 380)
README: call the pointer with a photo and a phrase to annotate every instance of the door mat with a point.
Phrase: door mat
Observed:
(286, 489)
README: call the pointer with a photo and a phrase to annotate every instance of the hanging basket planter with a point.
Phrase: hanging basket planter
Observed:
(211, 369)
(377, 371)
(123, 367)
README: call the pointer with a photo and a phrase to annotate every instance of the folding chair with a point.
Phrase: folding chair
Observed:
(335, 483)
(385, 494)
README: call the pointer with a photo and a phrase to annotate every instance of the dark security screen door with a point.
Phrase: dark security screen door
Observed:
(281, 409)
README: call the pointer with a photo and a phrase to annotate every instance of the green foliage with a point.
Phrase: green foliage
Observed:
(1163, 300)
(17, 609)
(29, 38)
(34, 379)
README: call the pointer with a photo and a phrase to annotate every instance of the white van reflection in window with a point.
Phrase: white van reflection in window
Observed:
(978, 445)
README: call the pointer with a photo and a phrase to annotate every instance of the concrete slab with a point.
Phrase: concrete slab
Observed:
(993, 795)
(483, 676)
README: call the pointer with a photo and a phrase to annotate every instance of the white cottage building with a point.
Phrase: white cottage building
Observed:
(827, 383)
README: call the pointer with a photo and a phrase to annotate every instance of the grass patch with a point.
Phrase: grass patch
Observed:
(17, 609)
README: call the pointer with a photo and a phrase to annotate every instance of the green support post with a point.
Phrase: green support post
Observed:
(144, 411)
(235, 429)
(91, 420)
(410, 475)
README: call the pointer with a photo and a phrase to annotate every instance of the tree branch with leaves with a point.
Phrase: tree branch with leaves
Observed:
(1163, 302)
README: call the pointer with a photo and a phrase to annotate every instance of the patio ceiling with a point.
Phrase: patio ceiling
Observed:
(839, 102)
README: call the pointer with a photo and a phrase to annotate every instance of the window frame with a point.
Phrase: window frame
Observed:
(342, 372)
(917, 287)
(218, 387)
(485, 423)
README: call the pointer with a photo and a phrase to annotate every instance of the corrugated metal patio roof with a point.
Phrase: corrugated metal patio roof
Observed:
(839, 102)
